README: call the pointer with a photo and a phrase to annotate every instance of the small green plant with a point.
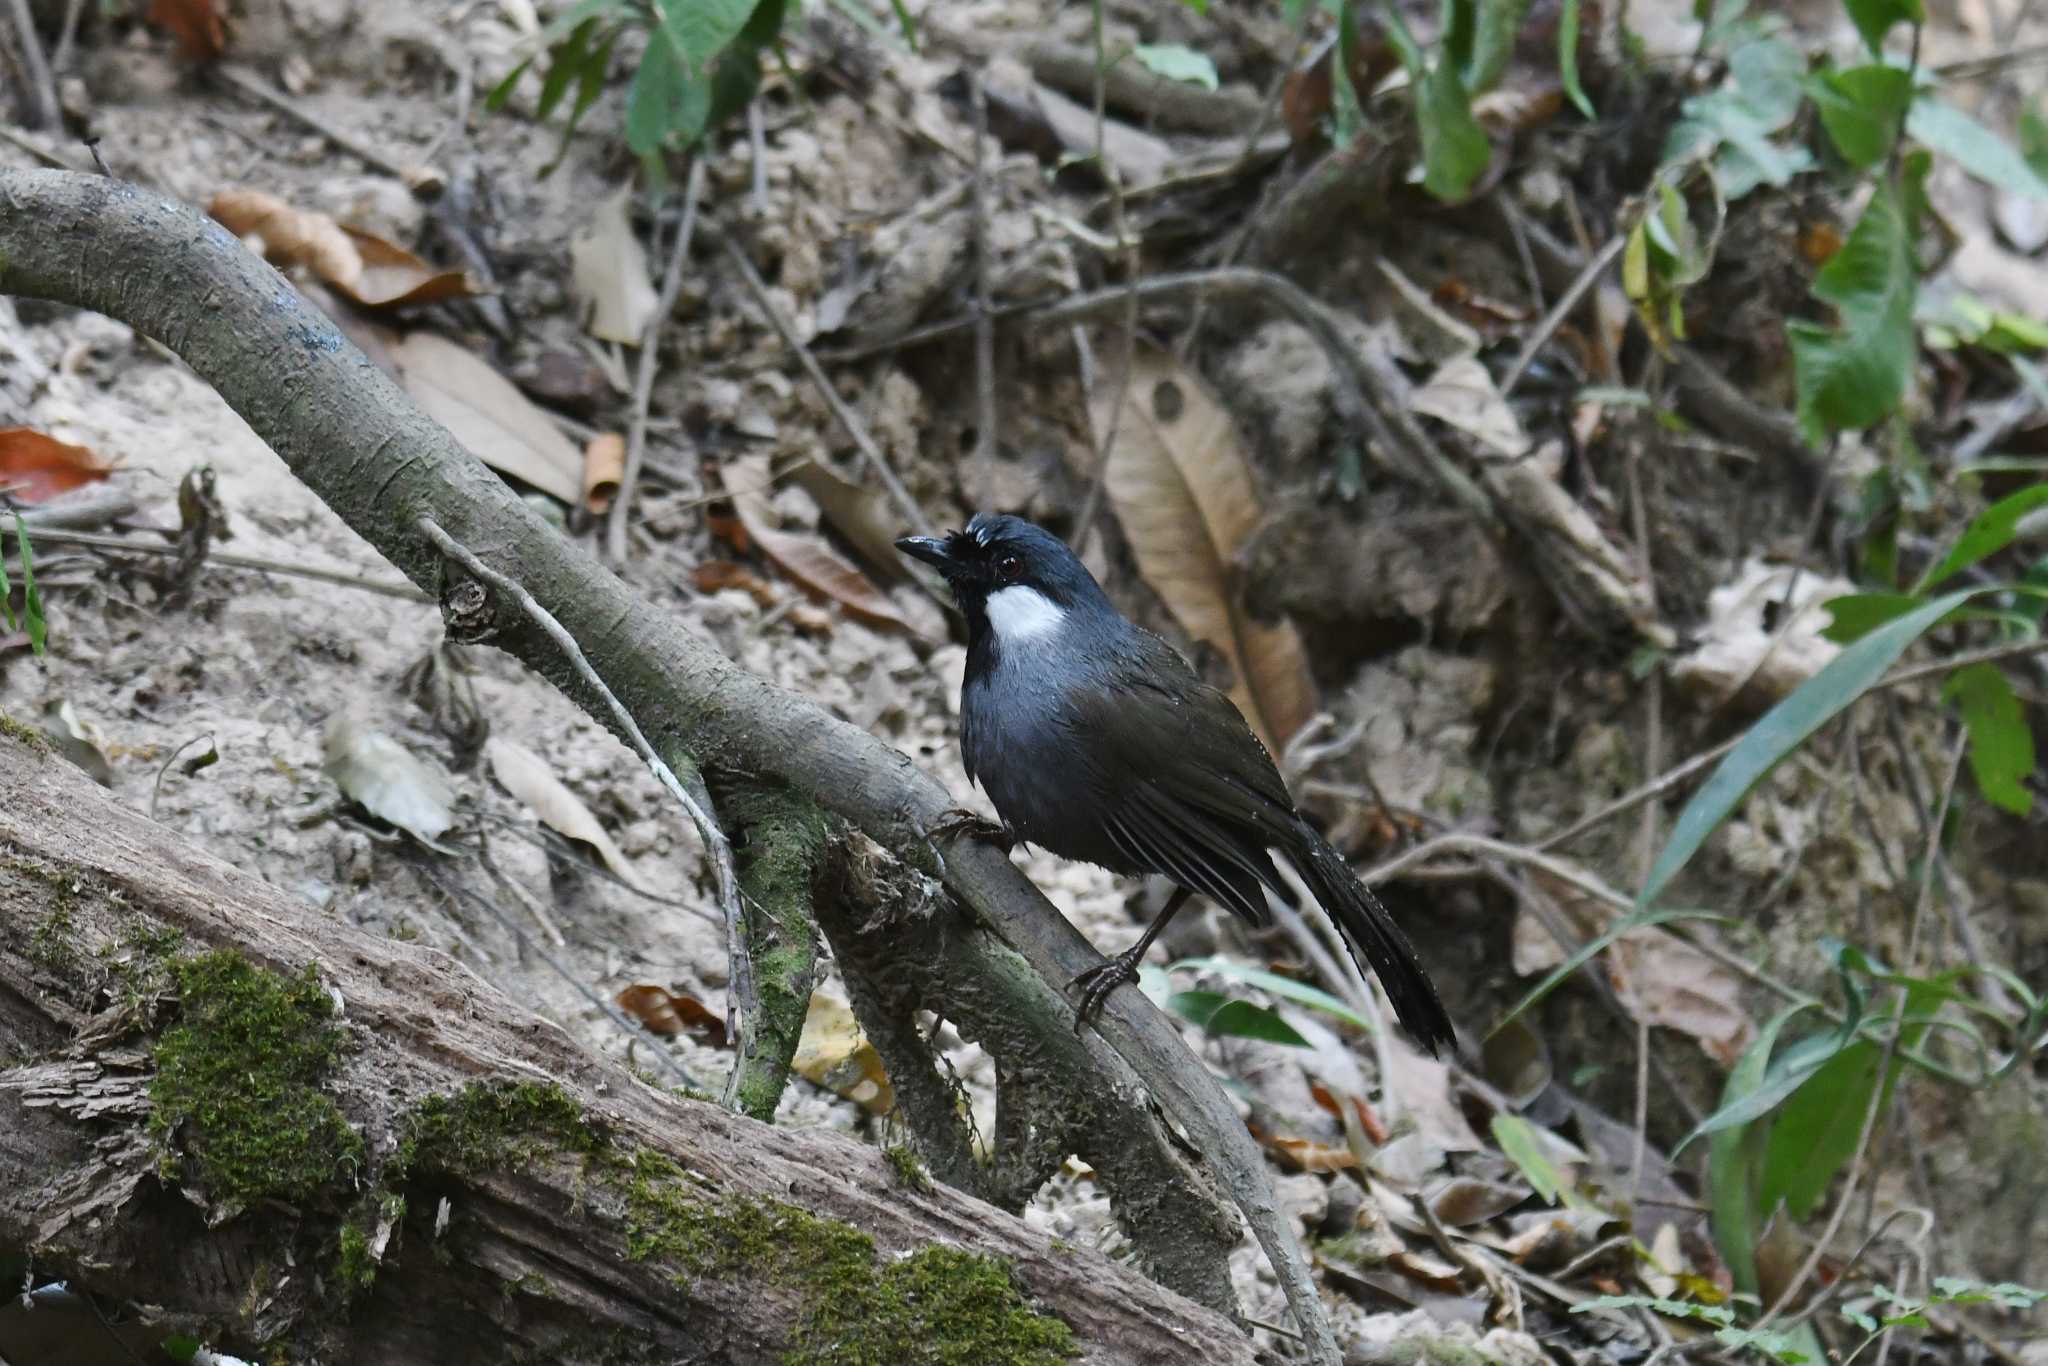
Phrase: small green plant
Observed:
(701, 64)
(30, 618)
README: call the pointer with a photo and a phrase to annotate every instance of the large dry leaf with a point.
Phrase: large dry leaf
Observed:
(608, 271)
(387, 780)
(528, 777)
(491, 418)
(364, 267)
(1182, 489)
(834, 1054)
(809, 559)
(663, 1012)
(35, 468)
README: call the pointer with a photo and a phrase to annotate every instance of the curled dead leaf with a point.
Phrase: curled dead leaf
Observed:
(807, 558)
(35, 467)
(604, 464)
(198, 27)
(1182, 488)
(528, 777)
(363, 267)
(661, 1011)
(1305, 1154)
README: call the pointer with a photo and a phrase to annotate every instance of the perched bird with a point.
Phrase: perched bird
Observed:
(1097, 741)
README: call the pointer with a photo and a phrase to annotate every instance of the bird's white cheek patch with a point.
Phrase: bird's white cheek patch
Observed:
(1018, 614)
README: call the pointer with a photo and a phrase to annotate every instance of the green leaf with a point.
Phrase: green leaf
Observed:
(2001, 742)
(1861, 109)
(1177, 63)
(31, 598)
(1785, 727)
(502, 91)
(665, 101)
(1874, 18)
(1285, 987)
(1524, 1147)
(565, 63)
(1853, 375)
(1953, 1290)
(1455, 151)
(1733, 1157)
(1983, 153)
(1989, 532)
(1568, 58)
(1493, 43)
(1856, 615)
(702, 28)
(1224, 1016)
(1634, 920)
(1814, 1132)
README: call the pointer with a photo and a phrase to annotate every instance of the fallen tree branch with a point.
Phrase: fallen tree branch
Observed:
(359, 443)
(473, 1180)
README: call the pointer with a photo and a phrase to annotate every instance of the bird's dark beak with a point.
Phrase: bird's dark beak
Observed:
(930, 549)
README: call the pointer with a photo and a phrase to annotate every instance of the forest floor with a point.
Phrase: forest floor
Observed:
(1466, 695)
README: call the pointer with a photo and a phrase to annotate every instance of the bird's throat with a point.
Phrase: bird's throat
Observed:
(1020, 615)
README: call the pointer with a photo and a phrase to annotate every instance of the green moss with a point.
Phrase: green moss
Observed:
(787, 836)
(50, 946)
(909, 1171)
(355, 1267)
(494, 1127)
(937, 1307)
(19, 731)
(237, 1083)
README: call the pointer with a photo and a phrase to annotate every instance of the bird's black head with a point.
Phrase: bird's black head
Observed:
(1006, 574)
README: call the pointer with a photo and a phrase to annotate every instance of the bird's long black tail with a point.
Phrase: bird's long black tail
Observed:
(1376, 942)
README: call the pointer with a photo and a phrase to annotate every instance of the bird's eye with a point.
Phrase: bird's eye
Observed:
(1008, 568)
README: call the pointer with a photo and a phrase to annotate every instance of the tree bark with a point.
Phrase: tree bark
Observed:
(361, 444)
(584, 1215)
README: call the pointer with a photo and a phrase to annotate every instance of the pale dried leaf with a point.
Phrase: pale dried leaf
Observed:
(490, 418)
(528, 777)
(1662, 980)
(387, 780)
(806, 557)
(608, 272)
(1421, 1088)
(834, 1054)
(1462, 394)
(1182, 489)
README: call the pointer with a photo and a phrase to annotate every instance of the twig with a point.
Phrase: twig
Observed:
(60, 60)
(255, 88)
(848, 419)
(44, 111)
(1105, 443)
(1907, 964)
(519, 894)
(90, 540)
(456, 891)
(716, 849)
(42, 154)
(984, 322)
(643, 376)
(156, 789)
(1559, 311)
(757, 146)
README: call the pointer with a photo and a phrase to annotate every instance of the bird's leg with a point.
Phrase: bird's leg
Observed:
(1098, 982)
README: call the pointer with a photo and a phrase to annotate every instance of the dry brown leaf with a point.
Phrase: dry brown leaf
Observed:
(1466, 1200)
(1662, 980)
(35, 467)
(604, 464)
(863, 515)
(1182, 489)
(608, 272)
(661, 1011)
(1305, 1154)
(833, 1053)
(491, 418)
(528, 777)
(362, 266)
(199, 27)
(712, 576)
(806, 558)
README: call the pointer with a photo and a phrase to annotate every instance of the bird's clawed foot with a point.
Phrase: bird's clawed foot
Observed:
(1098, 982)
(960, 821)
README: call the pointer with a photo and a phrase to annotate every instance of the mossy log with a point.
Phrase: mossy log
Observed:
(242, 1120)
